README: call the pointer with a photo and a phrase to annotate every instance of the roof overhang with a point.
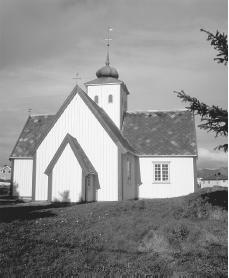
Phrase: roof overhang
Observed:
(20, 157)
(80, 155)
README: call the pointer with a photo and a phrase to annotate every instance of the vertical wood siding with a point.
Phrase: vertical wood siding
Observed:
(182, 178)
(79, 121)
(67, 178)
(22, 177)
(103, 92)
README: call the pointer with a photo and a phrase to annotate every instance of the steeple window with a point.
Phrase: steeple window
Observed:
(110, 98)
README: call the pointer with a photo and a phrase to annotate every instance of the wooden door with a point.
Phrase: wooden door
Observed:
(89, 188)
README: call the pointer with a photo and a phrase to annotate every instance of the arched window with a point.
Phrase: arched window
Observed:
(96, 99)
(110, 98)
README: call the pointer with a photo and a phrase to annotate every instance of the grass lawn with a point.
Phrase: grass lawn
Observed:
(185, 234)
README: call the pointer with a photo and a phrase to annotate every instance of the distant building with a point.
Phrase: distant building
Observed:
(216, 179)
(5, 173)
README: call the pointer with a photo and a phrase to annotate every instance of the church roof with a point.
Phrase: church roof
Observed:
(161, 133)
(79, 153)
(33, 129)
(150, 133)
(107, 71)
(104, 80)
(37, 127)
(107, 81)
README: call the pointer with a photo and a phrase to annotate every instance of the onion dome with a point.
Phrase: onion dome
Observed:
(107, 70)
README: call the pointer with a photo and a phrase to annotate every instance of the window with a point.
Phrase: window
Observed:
(96, 99)
(161, 172)
(110, 98)
(128, 164)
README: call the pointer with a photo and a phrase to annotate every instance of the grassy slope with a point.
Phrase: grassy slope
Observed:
(145, 236)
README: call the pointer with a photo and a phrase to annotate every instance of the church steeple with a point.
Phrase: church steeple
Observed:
(108, 91)
(108, 59)
(107, 70)
(108, 39)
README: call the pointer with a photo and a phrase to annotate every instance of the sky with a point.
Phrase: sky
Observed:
(157, 48)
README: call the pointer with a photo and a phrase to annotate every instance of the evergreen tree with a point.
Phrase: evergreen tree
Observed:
(213, 118)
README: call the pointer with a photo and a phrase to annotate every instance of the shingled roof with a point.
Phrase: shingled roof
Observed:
(33, 130)
(161, 133)
(37, 127)
(157, 133)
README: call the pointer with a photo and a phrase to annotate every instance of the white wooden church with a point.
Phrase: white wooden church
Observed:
(94, 149)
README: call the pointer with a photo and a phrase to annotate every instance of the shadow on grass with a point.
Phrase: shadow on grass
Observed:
(217, 198)
(28, 212)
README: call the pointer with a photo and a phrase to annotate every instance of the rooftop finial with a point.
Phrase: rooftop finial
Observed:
(77, 78)
(108, 39)
(29, 111)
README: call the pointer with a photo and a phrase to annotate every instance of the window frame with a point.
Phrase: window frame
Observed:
(110, 98)
(168, 181)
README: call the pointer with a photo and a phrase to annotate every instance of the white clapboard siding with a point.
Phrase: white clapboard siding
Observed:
(67, 177)
(78, 121)
(103, 92)
(22, 177)
(182, 177)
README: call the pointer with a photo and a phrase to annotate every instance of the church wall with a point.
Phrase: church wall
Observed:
(67, 177)
(129, 177)
(79, 121)
(181, 177)
(103, 92)
(22, 177)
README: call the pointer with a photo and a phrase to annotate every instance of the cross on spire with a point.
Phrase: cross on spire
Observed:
(77, 78)
(29, 111)
(108, 39)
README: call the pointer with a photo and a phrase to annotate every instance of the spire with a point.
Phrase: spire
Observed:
(108, 59)
(108, 39)
(107, 70)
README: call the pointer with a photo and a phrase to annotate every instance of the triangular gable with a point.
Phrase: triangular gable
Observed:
(99, 113)
(80, 155)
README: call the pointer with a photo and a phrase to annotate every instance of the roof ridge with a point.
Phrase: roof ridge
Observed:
(157, 110)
